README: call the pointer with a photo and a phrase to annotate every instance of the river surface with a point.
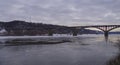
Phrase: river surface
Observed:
(82, 50)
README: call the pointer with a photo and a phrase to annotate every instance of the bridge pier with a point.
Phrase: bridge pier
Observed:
(75, 32)
(106, 33)
(50, 33)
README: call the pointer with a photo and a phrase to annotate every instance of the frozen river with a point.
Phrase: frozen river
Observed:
(81, 50)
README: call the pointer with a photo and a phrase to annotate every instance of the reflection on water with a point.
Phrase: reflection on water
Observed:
(116, 59)
(81, 50)
(106, 38)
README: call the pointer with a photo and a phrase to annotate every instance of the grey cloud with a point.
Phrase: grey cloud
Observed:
(63, 12)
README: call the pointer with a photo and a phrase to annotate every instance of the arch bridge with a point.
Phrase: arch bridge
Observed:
(105, 28)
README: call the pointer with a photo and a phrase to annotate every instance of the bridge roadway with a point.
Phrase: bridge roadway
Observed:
(105, 28)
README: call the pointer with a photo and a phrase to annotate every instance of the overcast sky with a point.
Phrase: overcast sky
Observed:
(62, 12)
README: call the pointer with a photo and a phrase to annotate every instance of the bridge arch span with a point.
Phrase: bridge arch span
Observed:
(113, 28)
(105, 28)
(97, 28)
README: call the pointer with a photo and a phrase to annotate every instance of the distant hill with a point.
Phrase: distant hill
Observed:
(18, 27)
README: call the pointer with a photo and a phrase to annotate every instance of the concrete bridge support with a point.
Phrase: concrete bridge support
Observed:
(75, 32)
(106, 33)
(50, 33)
